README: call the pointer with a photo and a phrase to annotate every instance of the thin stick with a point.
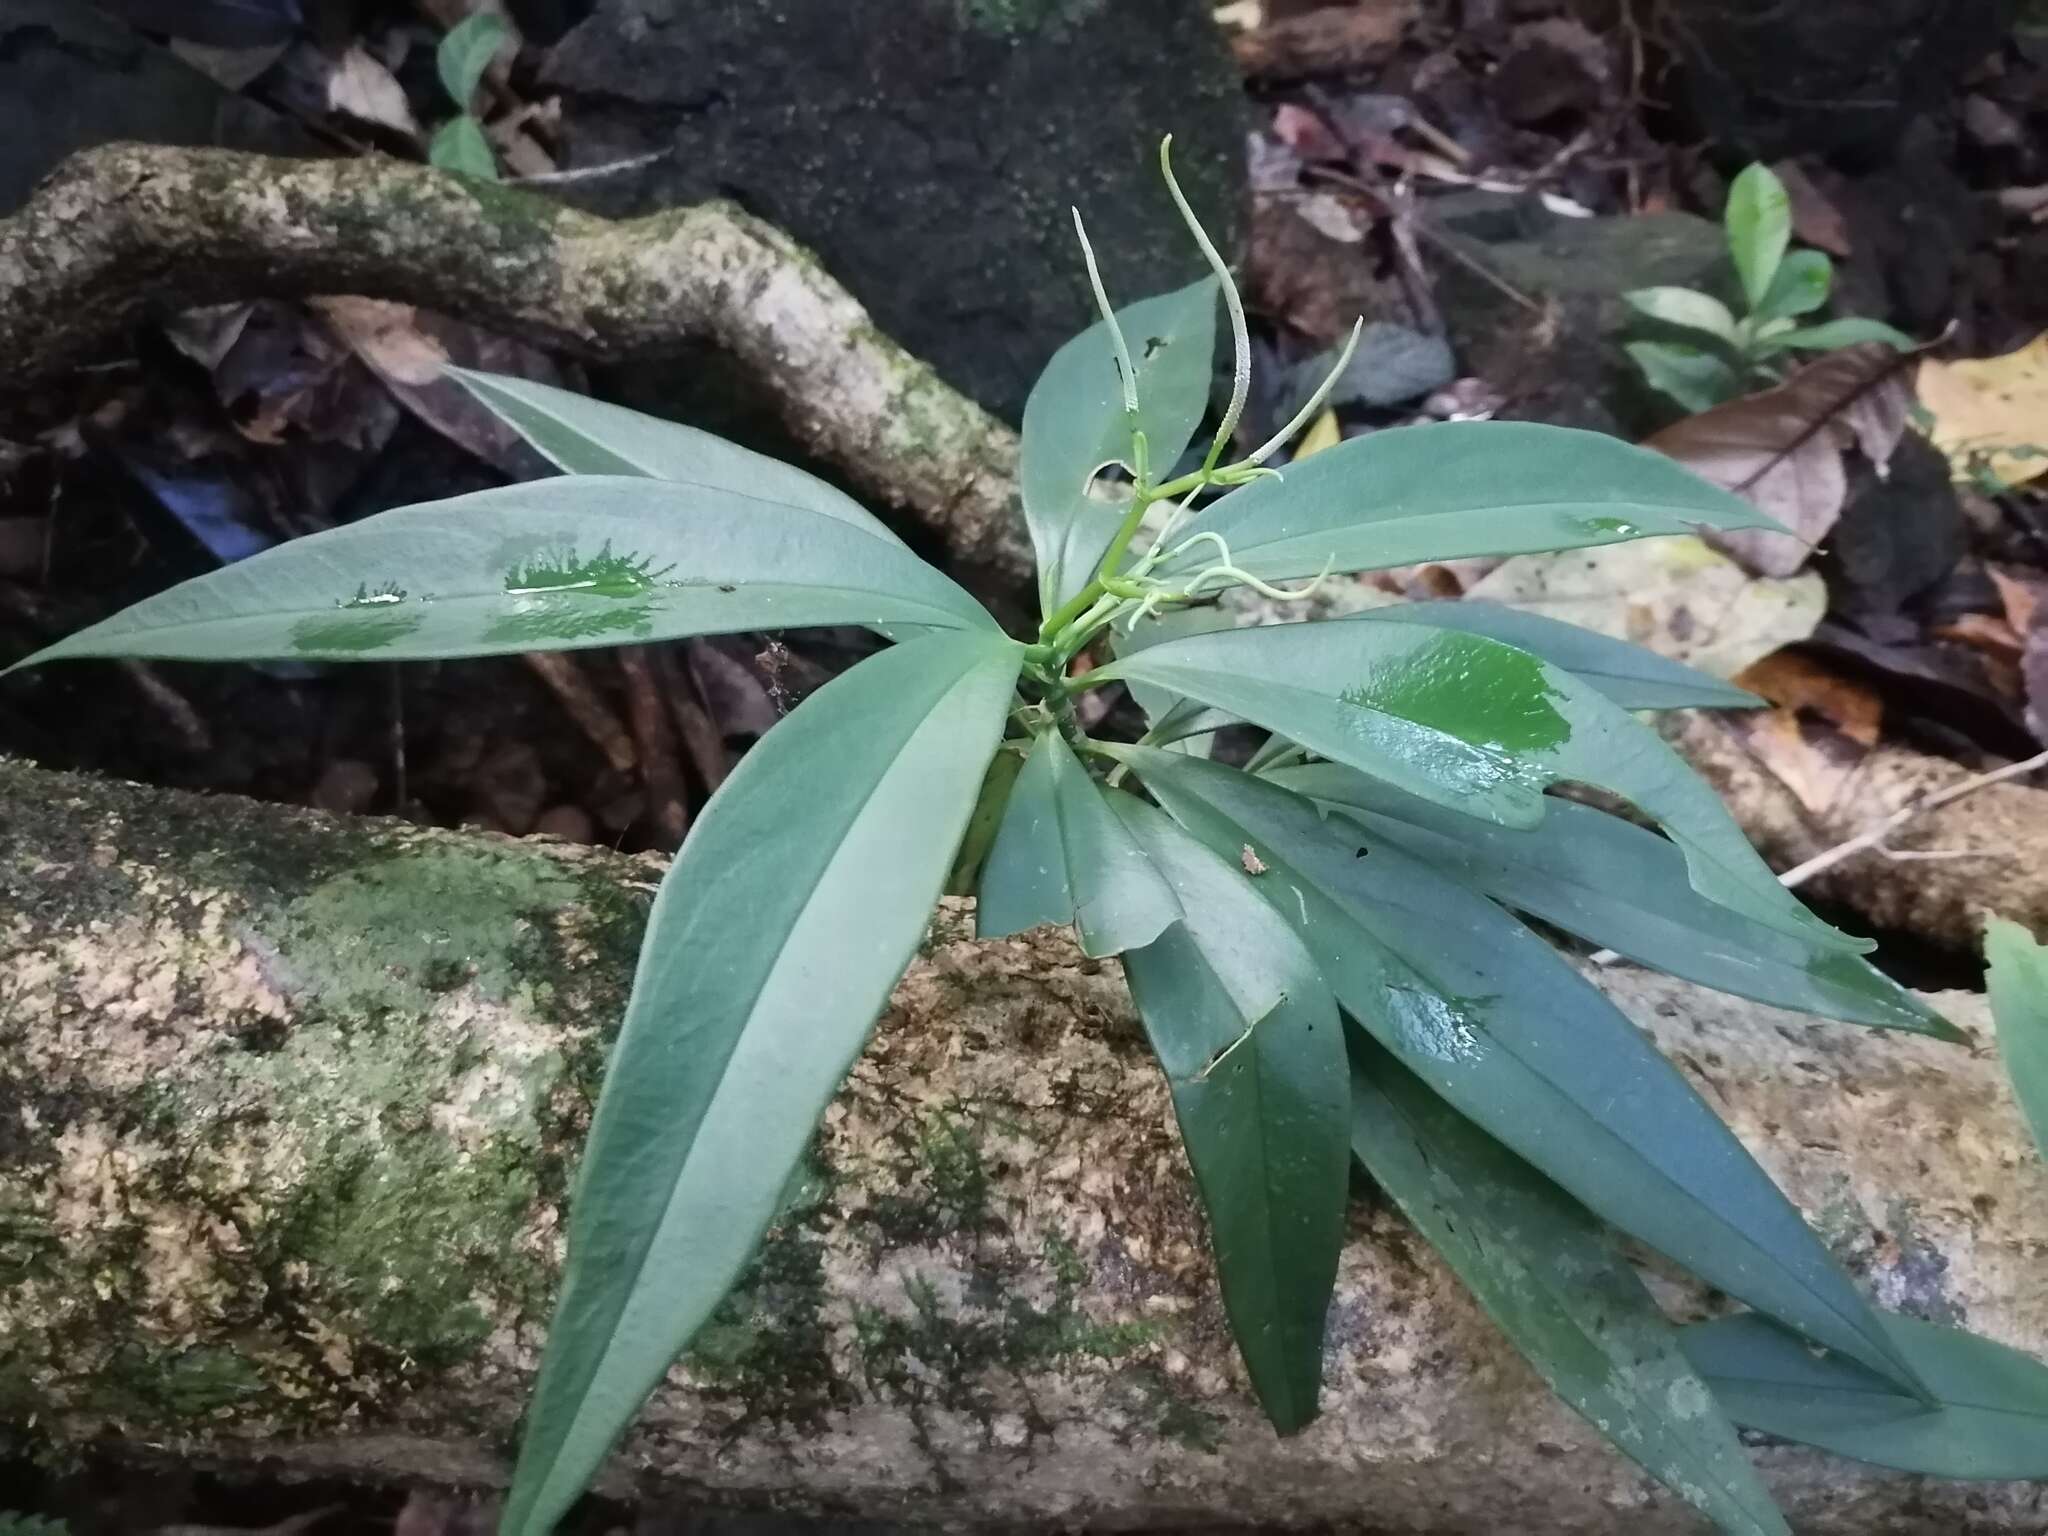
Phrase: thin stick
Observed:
(703, 742)
(661, 772)
(1820, 863)
(569, 684)
(589, 172)
(1874, 838)
(191, 728)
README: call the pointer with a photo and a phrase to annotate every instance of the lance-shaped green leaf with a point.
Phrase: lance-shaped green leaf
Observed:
(459, 145)
(548, 565)
(1758, 220)
(588, 437)
(1074, 424)
(1178, 722)
(1254, 1055)
(1631, 675)
(1550, 1276)
(1453, 489)
(465, 53)
(1990, 1418)
(1474, 725)
(1686, 308)
(797, 901)
(1494, 1020)
(2018, 983)
(1698, 378)
(1622, 886)
(1802, 285)
(1063, 856)
(1830, 334)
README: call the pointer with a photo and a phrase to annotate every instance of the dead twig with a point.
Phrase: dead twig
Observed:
(660, 772)
(590, 172)
(566, 680)
(1875, 838)
(703, 741)
(1873, 841)
(186, 722)
(1376, 201)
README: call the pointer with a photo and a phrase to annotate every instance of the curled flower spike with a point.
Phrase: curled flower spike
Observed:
(1224, 572)
(1126, 374)
(1240, 333)
(1307, 413)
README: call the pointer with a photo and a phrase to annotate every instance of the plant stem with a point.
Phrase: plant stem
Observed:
(1086, 598)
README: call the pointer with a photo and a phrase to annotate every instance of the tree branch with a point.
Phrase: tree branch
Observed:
(120, 234)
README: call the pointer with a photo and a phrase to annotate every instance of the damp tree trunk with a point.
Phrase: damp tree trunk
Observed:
(289, 1106)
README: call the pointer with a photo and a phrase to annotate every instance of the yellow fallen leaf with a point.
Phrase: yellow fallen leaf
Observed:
(1991, 413)
(1323, 434)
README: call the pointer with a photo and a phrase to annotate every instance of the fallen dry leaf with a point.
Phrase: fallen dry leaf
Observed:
(1679, 597)
(1810, 757)
(1815, 220)
(1797, 683)
(362, 88)
(2020, 592)
(1322, 433)
(1985, 631)
(1782, 449)
(1991, 413)
(407, 348)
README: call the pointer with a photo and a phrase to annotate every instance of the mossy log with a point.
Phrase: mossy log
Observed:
(129, 232)
(289, 1107)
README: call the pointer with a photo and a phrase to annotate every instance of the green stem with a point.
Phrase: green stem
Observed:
(1086, 598)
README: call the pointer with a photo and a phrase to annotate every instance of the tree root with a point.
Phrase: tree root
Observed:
(126, 232)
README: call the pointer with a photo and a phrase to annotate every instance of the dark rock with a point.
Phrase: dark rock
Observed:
(927, 150)
(571, 823)
(345, 787)
(1556, 69)
(74, 77)
(1553, 347)
(1391, 364)
(1762, 78)
(1898, 536)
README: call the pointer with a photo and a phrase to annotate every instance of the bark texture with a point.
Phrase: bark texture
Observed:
(1998, 835)
(121, 233)
(288, 1107)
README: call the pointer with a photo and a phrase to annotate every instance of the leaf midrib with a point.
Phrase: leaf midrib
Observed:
(638, 1267)
(1550, 1085)
(1283, 541)
(461, 602)
(1561, 1297)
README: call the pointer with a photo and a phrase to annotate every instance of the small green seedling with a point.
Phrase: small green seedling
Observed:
(1704, 355)
(464, 54)
(1328, 949)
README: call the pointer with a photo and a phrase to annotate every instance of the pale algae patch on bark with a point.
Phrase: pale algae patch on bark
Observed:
(285, 1106)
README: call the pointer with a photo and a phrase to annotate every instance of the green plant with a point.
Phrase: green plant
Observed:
(465, 52)
(1323, 947)
(2017, 980)
(1703, 355)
